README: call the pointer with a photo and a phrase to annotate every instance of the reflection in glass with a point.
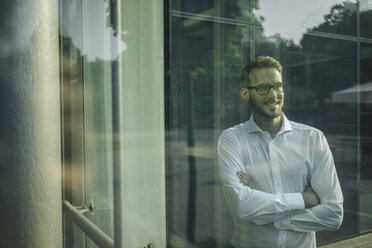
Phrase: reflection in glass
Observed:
(86, 52)
(292, 18)
(366, 138)
(365, 8)
(205, 63)
(316, 42)
(315, 70)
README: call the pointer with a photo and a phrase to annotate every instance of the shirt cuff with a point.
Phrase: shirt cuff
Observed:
(294, 201)
(283, 223)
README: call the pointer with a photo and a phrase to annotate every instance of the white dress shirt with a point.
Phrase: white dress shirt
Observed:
(273, 214)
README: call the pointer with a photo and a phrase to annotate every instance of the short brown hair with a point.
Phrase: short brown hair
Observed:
(258, 63)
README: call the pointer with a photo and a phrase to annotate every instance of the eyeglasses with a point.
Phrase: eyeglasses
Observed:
(263, 89)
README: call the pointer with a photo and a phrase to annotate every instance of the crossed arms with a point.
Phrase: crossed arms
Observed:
(311, 199)
(318, 207)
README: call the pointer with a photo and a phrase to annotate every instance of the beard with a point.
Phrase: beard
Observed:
(260, 110)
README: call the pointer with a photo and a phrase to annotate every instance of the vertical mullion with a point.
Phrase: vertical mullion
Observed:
(168, 113)
(358, 143)
(83, 73)
(252, 31)
(117, 167)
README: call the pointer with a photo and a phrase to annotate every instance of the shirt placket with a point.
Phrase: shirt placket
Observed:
(275, 169)
(277, 181)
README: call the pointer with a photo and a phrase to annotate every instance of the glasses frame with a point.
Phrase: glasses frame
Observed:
(283, 84)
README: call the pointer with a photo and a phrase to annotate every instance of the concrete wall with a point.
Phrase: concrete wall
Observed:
(30, 178)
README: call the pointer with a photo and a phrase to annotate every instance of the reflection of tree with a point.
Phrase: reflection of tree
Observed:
(112, 16)
(332, 64)
(198, 63)
(366, 24)
(341, 18)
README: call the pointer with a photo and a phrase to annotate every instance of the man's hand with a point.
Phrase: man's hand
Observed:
(311, 199)
(245, 179)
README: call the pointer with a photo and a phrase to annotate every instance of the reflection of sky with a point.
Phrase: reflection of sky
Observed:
(88, 29)
(365, 5)
(293, 17)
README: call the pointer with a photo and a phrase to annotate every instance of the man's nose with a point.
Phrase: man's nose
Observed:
(272, 93)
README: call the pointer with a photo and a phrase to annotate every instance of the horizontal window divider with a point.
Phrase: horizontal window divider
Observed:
(89, 228)
(331, 36)
(209, 18)
(365, 40)
(201, 152)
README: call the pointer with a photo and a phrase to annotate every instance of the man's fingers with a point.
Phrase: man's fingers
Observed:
(245, 179)
(243, 176)
(246, 182)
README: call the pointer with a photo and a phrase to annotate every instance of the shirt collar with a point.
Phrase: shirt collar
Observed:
(252, 126)
(286, 125)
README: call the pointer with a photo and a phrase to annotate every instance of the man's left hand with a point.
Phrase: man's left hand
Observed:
(311, 199)
(245, 179)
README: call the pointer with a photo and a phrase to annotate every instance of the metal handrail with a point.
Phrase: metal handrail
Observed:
(97, 235)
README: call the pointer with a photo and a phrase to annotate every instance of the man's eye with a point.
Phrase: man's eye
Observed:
(262, 88)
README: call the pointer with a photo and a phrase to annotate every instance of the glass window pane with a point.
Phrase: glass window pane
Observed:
(317, 72)
(229, 12)
(292, 18)
(205, 61)
(317, 69)
(87, 97)
(73, 120)
(365, 8)
(98, 114)
(117, 100)
(315, 42)
(366, 137)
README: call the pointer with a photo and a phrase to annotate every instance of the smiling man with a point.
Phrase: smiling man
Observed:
(280, 181)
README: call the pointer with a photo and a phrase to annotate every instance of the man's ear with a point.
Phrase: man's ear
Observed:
(244, 93)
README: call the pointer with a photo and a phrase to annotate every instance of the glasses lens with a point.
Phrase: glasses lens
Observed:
(263, 89)
(279, 87)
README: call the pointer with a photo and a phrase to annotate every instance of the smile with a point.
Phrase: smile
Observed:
(272, 104)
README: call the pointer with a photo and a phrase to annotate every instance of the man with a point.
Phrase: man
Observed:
(279, 177)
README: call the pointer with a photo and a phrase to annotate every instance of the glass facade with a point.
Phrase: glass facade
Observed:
(170, 117)
(325, 50)
(113, 120)
(146, 88)
(87, 118)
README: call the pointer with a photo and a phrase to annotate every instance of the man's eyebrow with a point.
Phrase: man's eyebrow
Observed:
(277, 82)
